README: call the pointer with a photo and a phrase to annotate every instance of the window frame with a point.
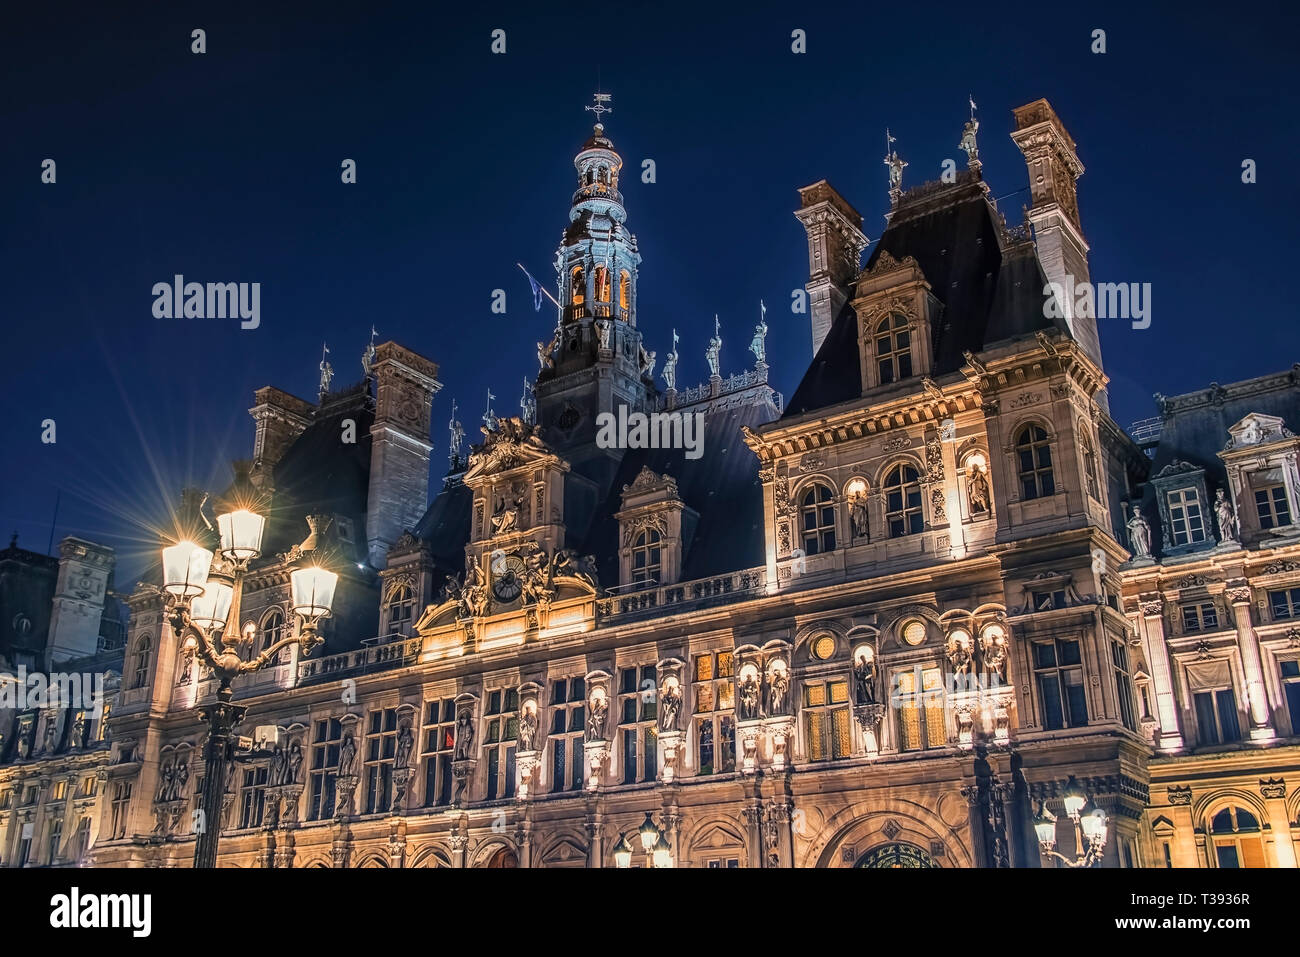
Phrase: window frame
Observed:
(1183, 505)
(895, 363)
(1038, 479)
(817, 501)
(717, 719)
(911, 518)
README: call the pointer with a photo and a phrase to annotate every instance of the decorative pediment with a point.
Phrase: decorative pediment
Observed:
(886, 263)
(511, 444)
(1177, 467)
(1257, 429)
(647, 480)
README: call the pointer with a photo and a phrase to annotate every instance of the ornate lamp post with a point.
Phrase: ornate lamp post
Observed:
(203, 610)
(658, 852)
(1090, 829)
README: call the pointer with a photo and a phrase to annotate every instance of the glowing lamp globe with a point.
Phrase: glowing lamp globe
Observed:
(663, 853)
(313, 591)
(1045, 827)
(211, 608)
(1074, 797)
(185, 569)
(623, 852)
(1094, 826)
(241, 534)
(649, 832)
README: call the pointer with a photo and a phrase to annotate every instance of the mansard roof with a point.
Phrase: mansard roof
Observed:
(1194, 426)
(989, 281)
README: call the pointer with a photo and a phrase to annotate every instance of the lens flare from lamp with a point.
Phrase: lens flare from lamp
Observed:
(185, 569)
(313, 591)
(210, 609)
(241, 534)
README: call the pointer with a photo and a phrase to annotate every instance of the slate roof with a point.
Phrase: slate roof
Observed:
(989, 293)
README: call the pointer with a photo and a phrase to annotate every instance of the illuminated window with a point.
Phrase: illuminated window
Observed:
(823, 647)
(326, 740)
(647, 558)
(1058, 668)
(1238, 841)
(903, 502)
(914, 632)
(624, 290)
(1186, 522)
(568, 722)
(500, 741)
(1272, 507)
(715, 723)
(143, 655)
(381, 747)
(921, 709)
(577, 287)
(637, 728)
(439, 746)
(893, 349)
(817, 509)
(1034, 460)
(401, 608)
(59, 791)
(826, 720)
(602, 284)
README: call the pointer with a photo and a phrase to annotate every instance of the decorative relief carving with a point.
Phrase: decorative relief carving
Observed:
(812, 462)
(1179, 795)
(898, 444)
(937, 505)
(1026, 399)
(934, 457)
(1272, 788)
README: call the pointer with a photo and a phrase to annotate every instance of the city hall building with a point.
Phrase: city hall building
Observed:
(912, 616)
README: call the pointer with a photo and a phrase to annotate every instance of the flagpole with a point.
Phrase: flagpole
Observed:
(540, 286)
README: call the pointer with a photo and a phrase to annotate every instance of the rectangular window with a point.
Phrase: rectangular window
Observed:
(1216, 717)
(921, 703)
(1291, 686)
(1186, 524)
(121, 805)
(59, 791)
(381, 748)
(826, 720)
(55, 839)
(715, 727)
(326, 740)
(1124, 684)
(1272, 507)
(500, 742)
(638, 730)
(1048, 600)
(1058, 668)
(568, 724)
(1284, 603)
(439, 746)
(1200, 616)
(252, 797)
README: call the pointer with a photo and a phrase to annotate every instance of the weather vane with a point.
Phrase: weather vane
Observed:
(600, 107)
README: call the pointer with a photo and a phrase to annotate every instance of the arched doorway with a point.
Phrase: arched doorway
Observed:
(504, 857)
(895, 855)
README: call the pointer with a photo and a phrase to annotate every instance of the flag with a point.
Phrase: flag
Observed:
(536, 287)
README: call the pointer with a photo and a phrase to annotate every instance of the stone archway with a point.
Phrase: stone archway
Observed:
(503, 857)
(897, 854)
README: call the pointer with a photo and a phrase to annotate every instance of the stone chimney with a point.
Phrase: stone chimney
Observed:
(85, 570)
(835, 244)
(280, 418)
(1054, 212)
(405, 384)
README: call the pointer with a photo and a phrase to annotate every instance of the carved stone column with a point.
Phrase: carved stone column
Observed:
(1273, 791)
(397, 842)
(1261, 718)
(345, 788)
(458, 840)
(752, 815)
(777, 844)
(594, 826)
(975, 821)
(341, 849)
(1151, 608)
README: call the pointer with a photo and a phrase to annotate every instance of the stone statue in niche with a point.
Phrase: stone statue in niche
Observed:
(749, 696)
(168, 775)
(347, 754)
(597, 708)
(864, 676)
(858, 516)
(294, 763)
(528, 727)
(1139, 534)
(995, 658)
(778, 689)
(405, 744)
(670, 705)
(978, 490)
(464, 736)
(278, 764)
(960, 657)
(1226, 517)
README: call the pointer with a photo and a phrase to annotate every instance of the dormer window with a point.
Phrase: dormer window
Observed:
(401, 608)
(647, 558)
(1034, 463)
(1186, 521)
(1271, 504)
(893, 349)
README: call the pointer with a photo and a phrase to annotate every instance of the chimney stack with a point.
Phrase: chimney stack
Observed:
(835, 244)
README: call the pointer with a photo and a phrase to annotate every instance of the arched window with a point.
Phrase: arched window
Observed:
(1034, 463)
(1238, 841)
(602, 284)
(817, 508)
(401, 607)
(624, 290)
(893, 349)
(578, 286)
(647, 561)
(143, 655)
(272, 628)
(903, 502)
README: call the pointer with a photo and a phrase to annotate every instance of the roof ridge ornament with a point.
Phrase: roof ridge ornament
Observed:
(896, 165)
(600, 107)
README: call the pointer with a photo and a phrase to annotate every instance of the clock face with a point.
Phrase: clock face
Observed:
(507, 577)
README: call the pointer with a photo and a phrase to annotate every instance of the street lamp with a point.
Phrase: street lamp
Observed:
(1090, 829)
(654, 842)
(203, 610)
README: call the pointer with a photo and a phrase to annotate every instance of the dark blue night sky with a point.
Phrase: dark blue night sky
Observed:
(225, 167)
